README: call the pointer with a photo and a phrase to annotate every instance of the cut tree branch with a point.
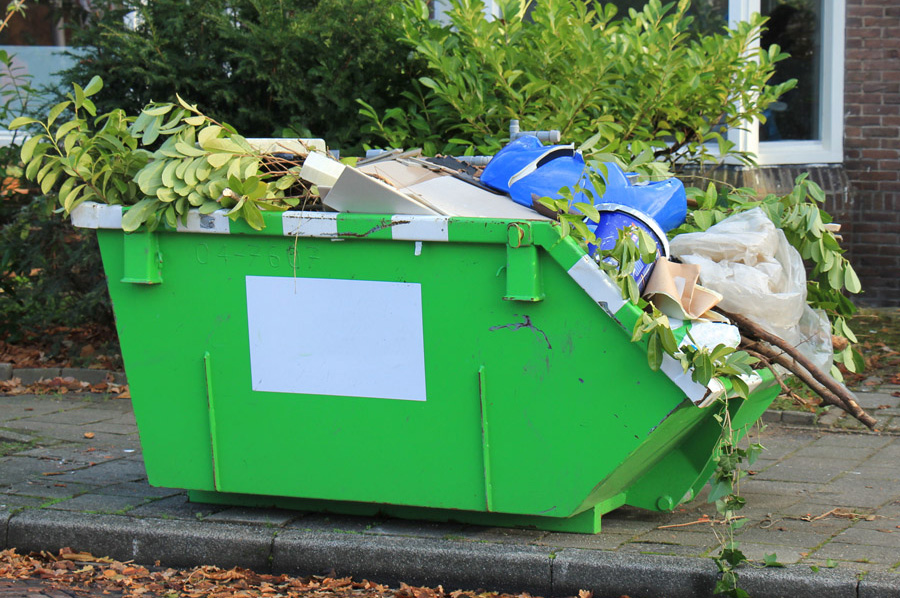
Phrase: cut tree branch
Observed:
(831, 391)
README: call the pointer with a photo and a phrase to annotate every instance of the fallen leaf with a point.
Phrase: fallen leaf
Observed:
(88, 435)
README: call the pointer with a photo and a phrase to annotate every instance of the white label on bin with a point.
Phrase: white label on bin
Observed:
(356, 338)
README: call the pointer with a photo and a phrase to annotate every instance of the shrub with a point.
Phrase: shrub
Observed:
(260, 66)
(640, 83)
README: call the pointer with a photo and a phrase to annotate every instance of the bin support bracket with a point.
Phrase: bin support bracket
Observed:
(523, 266)
(213, 432)
(143, 261)
(485, 442)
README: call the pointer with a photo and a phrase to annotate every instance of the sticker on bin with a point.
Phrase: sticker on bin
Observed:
(355, 338)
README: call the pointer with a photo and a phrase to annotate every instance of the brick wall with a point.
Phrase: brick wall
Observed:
(871, 209)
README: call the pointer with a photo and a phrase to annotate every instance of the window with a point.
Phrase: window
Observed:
(37, 42)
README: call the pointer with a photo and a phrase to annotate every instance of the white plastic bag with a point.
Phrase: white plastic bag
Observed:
(760, 275)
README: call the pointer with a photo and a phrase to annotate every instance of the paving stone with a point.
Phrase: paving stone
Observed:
(876, 399)
(774, 535)
(67, 452)
(829, 526)
(756, 551)
(6, 370)
(74, 416)
(866, 440)
(12, 411)
(502, 535)
(890, 453)
(32, 375)
(870, 537)
(48, 489)
(874, 469)
(265, 517)
(798, 469)
(98, 503)
(419, 529)
(796, 490)
(68, 432)
(831, 452)
(662, 549)
(602, 541)
(852, 491)
(15, 502)
(784, 441)
(110, 472)
(704, 537)
(138, 488)
(15, 469)
(840, 551)
(112, 428)
(341, 524)
(175, 507)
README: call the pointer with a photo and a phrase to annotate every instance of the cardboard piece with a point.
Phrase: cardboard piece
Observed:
(673, 289)
(356, 192)
(320, 170)
(456, 197)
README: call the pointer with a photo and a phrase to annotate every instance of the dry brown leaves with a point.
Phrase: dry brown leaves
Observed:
(81, 570)
(93, 346)
(58, 386)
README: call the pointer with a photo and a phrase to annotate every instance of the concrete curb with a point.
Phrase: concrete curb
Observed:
(176, 543)
(879, 585)
(387, 559)
(419, 561)
(32, 375)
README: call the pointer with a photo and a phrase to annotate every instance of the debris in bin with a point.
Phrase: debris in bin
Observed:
(673, 289)
(525, 167)
(761, 278)
(614, 218)
(749, 261)
(403, 184)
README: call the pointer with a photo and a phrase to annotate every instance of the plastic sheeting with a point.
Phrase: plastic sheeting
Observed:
(760, 275)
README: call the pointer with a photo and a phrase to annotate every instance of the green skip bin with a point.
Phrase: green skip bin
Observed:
(468, 369)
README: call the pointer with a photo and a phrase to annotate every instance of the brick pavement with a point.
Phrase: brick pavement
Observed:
(807, 472)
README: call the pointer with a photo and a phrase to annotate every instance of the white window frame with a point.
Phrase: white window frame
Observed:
(829, 148)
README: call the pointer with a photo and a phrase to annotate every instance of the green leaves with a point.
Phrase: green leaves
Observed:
(101, 161)
(639, 85)
(203, 164)
(89, 160)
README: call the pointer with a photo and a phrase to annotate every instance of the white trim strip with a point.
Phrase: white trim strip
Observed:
(671, 367)
(216, 223)
(420, 228)
(597, 284)
(95, 215)
(309, 224)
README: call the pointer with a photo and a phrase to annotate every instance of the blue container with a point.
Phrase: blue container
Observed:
(614, 218)
(525, 169)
